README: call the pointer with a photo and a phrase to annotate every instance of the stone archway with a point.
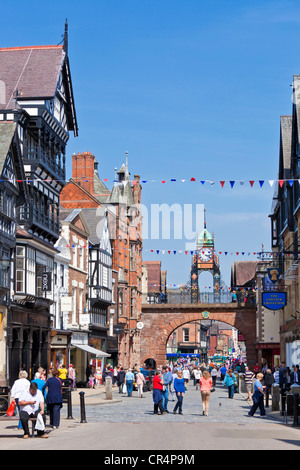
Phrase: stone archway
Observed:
(160, 320)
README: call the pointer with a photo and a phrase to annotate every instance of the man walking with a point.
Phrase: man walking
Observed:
(167, 379)
(129, 382)
(249, 377)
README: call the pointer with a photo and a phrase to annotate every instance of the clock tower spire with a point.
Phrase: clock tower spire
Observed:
(205, 260)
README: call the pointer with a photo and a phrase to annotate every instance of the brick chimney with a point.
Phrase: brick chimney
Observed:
(83, 165)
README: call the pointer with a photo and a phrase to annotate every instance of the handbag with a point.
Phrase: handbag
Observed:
(124, 389)
(11, 409)
(40, 425)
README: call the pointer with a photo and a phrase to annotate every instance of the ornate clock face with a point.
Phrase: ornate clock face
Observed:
(205, 254)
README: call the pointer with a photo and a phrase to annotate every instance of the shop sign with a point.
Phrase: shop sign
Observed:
(46, 282)
(274, 300)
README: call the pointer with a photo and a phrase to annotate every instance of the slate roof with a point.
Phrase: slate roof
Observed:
(101, 192)
(243, 272)
(33, 71)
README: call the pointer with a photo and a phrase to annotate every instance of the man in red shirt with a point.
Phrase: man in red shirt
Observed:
(157, 393)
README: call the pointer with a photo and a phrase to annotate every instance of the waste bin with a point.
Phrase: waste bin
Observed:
(4, 400)
(66, 384)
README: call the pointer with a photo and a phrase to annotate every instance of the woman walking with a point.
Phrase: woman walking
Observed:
(230, 383)
(179, 385)
(197, 375)
(54, 398)
(258, 397)
(157, 395)
(140, 382)
(205, 388)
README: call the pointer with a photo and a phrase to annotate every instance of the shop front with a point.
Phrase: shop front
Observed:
(59, 348)
(28, 335)
(86, 358)
(268, 353)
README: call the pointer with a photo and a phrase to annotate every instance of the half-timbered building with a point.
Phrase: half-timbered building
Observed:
(36, 98)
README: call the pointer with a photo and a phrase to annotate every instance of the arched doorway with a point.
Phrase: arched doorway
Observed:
(163, 319)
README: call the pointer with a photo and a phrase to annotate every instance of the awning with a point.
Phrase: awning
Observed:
(91, 350)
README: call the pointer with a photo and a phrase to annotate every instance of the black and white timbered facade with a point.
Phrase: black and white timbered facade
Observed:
(37, 104)
(100, 283)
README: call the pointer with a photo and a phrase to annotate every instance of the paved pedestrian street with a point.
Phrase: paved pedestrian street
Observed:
(128, 423)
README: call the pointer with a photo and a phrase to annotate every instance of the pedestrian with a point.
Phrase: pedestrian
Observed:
(129, 377)
(115, 373)
(121, 379)
(276, 375)
(186, 376)
(37, 379)
(54, 398)
(197, 375)
(31, 404)
(140, 382)
(268, 380)
(167, 379)
(214, 375)
(223, 372)
(256, 368)
(295, 376)
(172, 389)
(72, 376)
(107, 374)
(157, 393)
(258, 397)
(20, 385)
(62, 372)
(249, 377)
(230, 383)
(206, 384)
(283, 371)
(179, 385)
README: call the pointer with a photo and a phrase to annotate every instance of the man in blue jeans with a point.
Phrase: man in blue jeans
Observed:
(167, 379)
(129, 382)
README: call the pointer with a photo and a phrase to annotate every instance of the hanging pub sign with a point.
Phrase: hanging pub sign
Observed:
(46, 281)
(274, 274)
(274, 300)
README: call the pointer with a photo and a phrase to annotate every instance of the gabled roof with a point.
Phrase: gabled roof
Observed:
(69, 215)
(34, 72)
(65, 191)
(97, 223)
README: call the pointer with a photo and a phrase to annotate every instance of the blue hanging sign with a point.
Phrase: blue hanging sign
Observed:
(274, 300)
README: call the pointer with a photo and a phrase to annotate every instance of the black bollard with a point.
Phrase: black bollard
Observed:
(69, 398)
(283, 401)
(295, 409)
(267, 397)
(82, 408)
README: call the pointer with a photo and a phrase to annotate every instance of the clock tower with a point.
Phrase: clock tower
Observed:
(205, 259)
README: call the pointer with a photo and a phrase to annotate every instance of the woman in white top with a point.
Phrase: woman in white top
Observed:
(186, 375)
(197, 375)
(20, 386)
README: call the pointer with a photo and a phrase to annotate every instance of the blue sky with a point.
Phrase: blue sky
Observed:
(190, 89)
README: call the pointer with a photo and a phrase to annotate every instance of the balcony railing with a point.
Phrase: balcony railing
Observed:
(39, 155)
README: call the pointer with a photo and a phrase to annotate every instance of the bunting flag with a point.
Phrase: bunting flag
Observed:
(232, 183)
(265, 254)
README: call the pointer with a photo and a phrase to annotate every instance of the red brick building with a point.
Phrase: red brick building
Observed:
(86, 190)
